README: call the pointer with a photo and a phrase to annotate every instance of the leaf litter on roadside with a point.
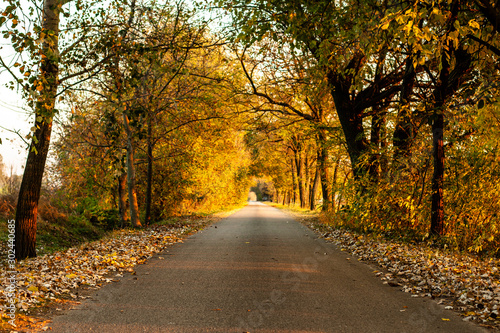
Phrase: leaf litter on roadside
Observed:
(462, 283)
(46, 278)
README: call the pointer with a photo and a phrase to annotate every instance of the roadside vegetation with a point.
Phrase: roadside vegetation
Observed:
(384, 116)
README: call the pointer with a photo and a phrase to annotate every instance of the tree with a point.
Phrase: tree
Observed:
(320, 29)
(42, 84)
(175, 79)
(46, 85)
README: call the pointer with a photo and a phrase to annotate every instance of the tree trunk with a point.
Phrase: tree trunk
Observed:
(437, 210)
(122, 199)
(294, 182)
(378, 121)
(312, 196)
(299, 164)
(307, 185)
(334, 183)
(356, 142)
(449, 82)
(324, 173)
(351, 119)
(29, 193)
(149, 187)
(132, 189)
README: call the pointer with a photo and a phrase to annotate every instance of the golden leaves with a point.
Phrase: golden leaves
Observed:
(385, 26)
(473, 24)
(45, 278)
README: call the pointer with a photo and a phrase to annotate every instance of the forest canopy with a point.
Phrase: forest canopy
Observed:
(384, 115)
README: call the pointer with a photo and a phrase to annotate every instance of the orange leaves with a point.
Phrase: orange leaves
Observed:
(45, 278)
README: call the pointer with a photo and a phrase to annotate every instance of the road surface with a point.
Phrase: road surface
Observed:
(256, 271)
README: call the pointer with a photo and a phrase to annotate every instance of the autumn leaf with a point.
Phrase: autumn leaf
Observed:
(385, 26)
(473, 24)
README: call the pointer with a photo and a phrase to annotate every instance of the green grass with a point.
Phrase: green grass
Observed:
(60, 236)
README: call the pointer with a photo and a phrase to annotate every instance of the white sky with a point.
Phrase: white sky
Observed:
(14, 118)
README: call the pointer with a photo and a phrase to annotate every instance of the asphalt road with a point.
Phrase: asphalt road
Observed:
(256, 271)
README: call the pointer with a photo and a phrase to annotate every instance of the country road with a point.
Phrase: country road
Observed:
(256, 271)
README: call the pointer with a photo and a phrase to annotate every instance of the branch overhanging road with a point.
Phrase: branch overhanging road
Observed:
(256, 271)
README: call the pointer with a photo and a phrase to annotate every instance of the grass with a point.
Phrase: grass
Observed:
(57, 231)
(57, 236)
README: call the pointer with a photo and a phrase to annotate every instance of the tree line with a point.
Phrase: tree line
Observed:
(141, 94)
(389, 101)
(381, 113)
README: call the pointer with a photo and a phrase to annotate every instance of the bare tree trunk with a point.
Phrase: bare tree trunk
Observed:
(448, 83)
(334, 183)
(149, 187)
(132, 189)
(437, 210)
(312, 197)
(307, 186)
(405, 131)
(378, 122)
(324, 174)
(29, 193)
(299, 167)
(294, 182)
(122, 199)
(437, 205)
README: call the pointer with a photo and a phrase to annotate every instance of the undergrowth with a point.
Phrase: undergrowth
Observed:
(59, 229)
(345, 219)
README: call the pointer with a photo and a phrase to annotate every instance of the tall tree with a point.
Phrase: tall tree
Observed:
(46, 85)
(449, 81)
